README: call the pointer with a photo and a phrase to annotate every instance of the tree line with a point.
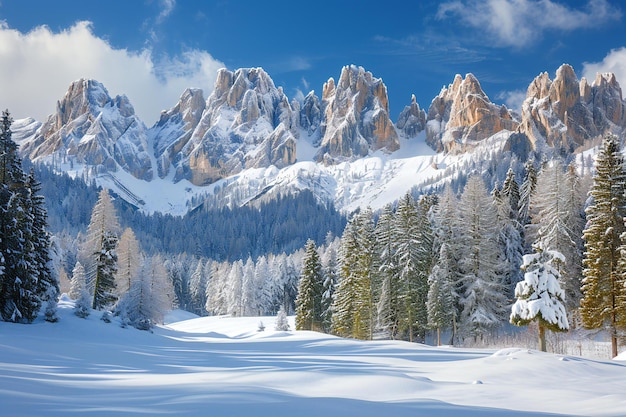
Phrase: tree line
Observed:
(536, 251)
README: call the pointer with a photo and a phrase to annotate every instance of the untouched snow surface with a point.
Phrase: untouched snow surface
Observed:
(222, 366)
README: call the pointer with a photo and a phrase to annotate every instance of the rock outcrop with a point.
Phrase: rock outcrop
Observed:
(566, 112)
(91, 128)
(462, 115)
(175, 127)
(412, 119)
(355, 117)
(247, 123)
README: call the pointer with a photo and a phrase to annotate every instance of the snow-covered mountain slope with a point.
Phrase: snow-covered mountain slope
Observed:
(223, 366)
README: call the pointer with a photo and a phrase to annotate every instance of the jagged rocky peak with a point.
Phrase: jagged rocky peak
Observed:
(310, 113)
(175, 127)
(462, 115)
(607, 96)
(91, 128)
(412, 119)
(566, 112)
(355, 117)
(247, 123)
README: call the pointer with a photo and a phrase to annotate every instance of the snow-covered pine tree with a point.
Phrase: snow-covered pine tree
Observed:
(150, 296)
(556, 225)
(483, 290)
(197, 289)
(509, 239)
(575, 224)
(602, 304)
(329, 274)
(234, 287)
(249, 296)
(510, 190)
(445, 273)
(388, 305)
(282, 324)
(79, 292)
(46, 276)
(262, 284)
(413, 246)
(23, 239)
(352, 306)
(98, 253)
(309, 300)
(539, 295)
(526, 191)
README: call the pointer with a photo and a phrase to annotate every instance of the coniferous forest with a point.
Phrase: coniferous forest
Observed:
(548, 247)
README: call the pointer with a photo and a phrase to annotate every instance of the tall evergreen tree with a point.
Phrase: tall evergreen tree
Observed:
(388, 306)
(98, 253)
(329, 274)
(526, 191)
(25, 275)
(604, 283)
(353, 304)
(445, 273)
(556, 225)
(413, 246)
(309, 300)
(484, 291)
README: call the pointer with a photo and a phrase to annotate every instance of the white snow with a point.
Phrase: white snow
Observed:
(223, 366)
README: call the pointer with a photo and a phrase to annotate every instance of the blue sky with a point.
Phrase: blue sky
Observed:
(151, 50)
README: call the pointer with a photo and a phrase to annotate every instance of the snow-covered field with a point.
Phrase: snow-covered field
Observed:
(225, 367)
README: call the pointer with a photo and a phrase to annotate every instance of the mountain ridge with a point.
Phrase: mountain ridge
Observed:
(246, 135)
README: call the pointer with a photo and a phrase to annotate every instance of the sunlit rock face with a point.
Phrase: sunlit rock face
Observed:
(246, 123)
(566, 112)
(175, 127)
(355, 117)
(462, 115)
(90, 127)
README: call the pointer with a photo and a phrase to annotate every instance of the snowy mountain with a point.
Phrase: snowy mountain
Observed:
(91, 128)
(247, 142)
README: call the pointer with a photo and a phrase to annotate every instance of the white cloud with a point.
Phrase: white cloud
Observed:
(167, 7)
(513, 99)
(37, 67)
(614, 62)
(519, 23)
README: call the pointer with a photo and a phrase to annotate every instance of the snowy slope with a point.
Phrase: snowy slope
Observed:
(222, 366)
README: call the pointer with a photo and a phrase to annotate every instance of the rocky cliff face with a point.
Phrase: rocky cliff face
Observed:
(247, 122)
(92, 128)
(412, 119)
(175, 127)
(462, 115)
(565, 112)
(355, 117)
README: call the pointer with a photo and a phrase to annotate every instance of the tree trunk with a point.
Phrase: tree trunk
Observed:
(438, 336)
(614, 343)
(542, 338)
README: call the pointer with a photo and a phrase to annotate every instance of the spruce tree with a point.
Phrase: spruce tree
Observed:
(309, 300)
(602, 304)
(483, 297)
(329, 274)
(413, 247)
(539, 295)
(353, 304)
(388, 306)
(445, 273)
(25, 275)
